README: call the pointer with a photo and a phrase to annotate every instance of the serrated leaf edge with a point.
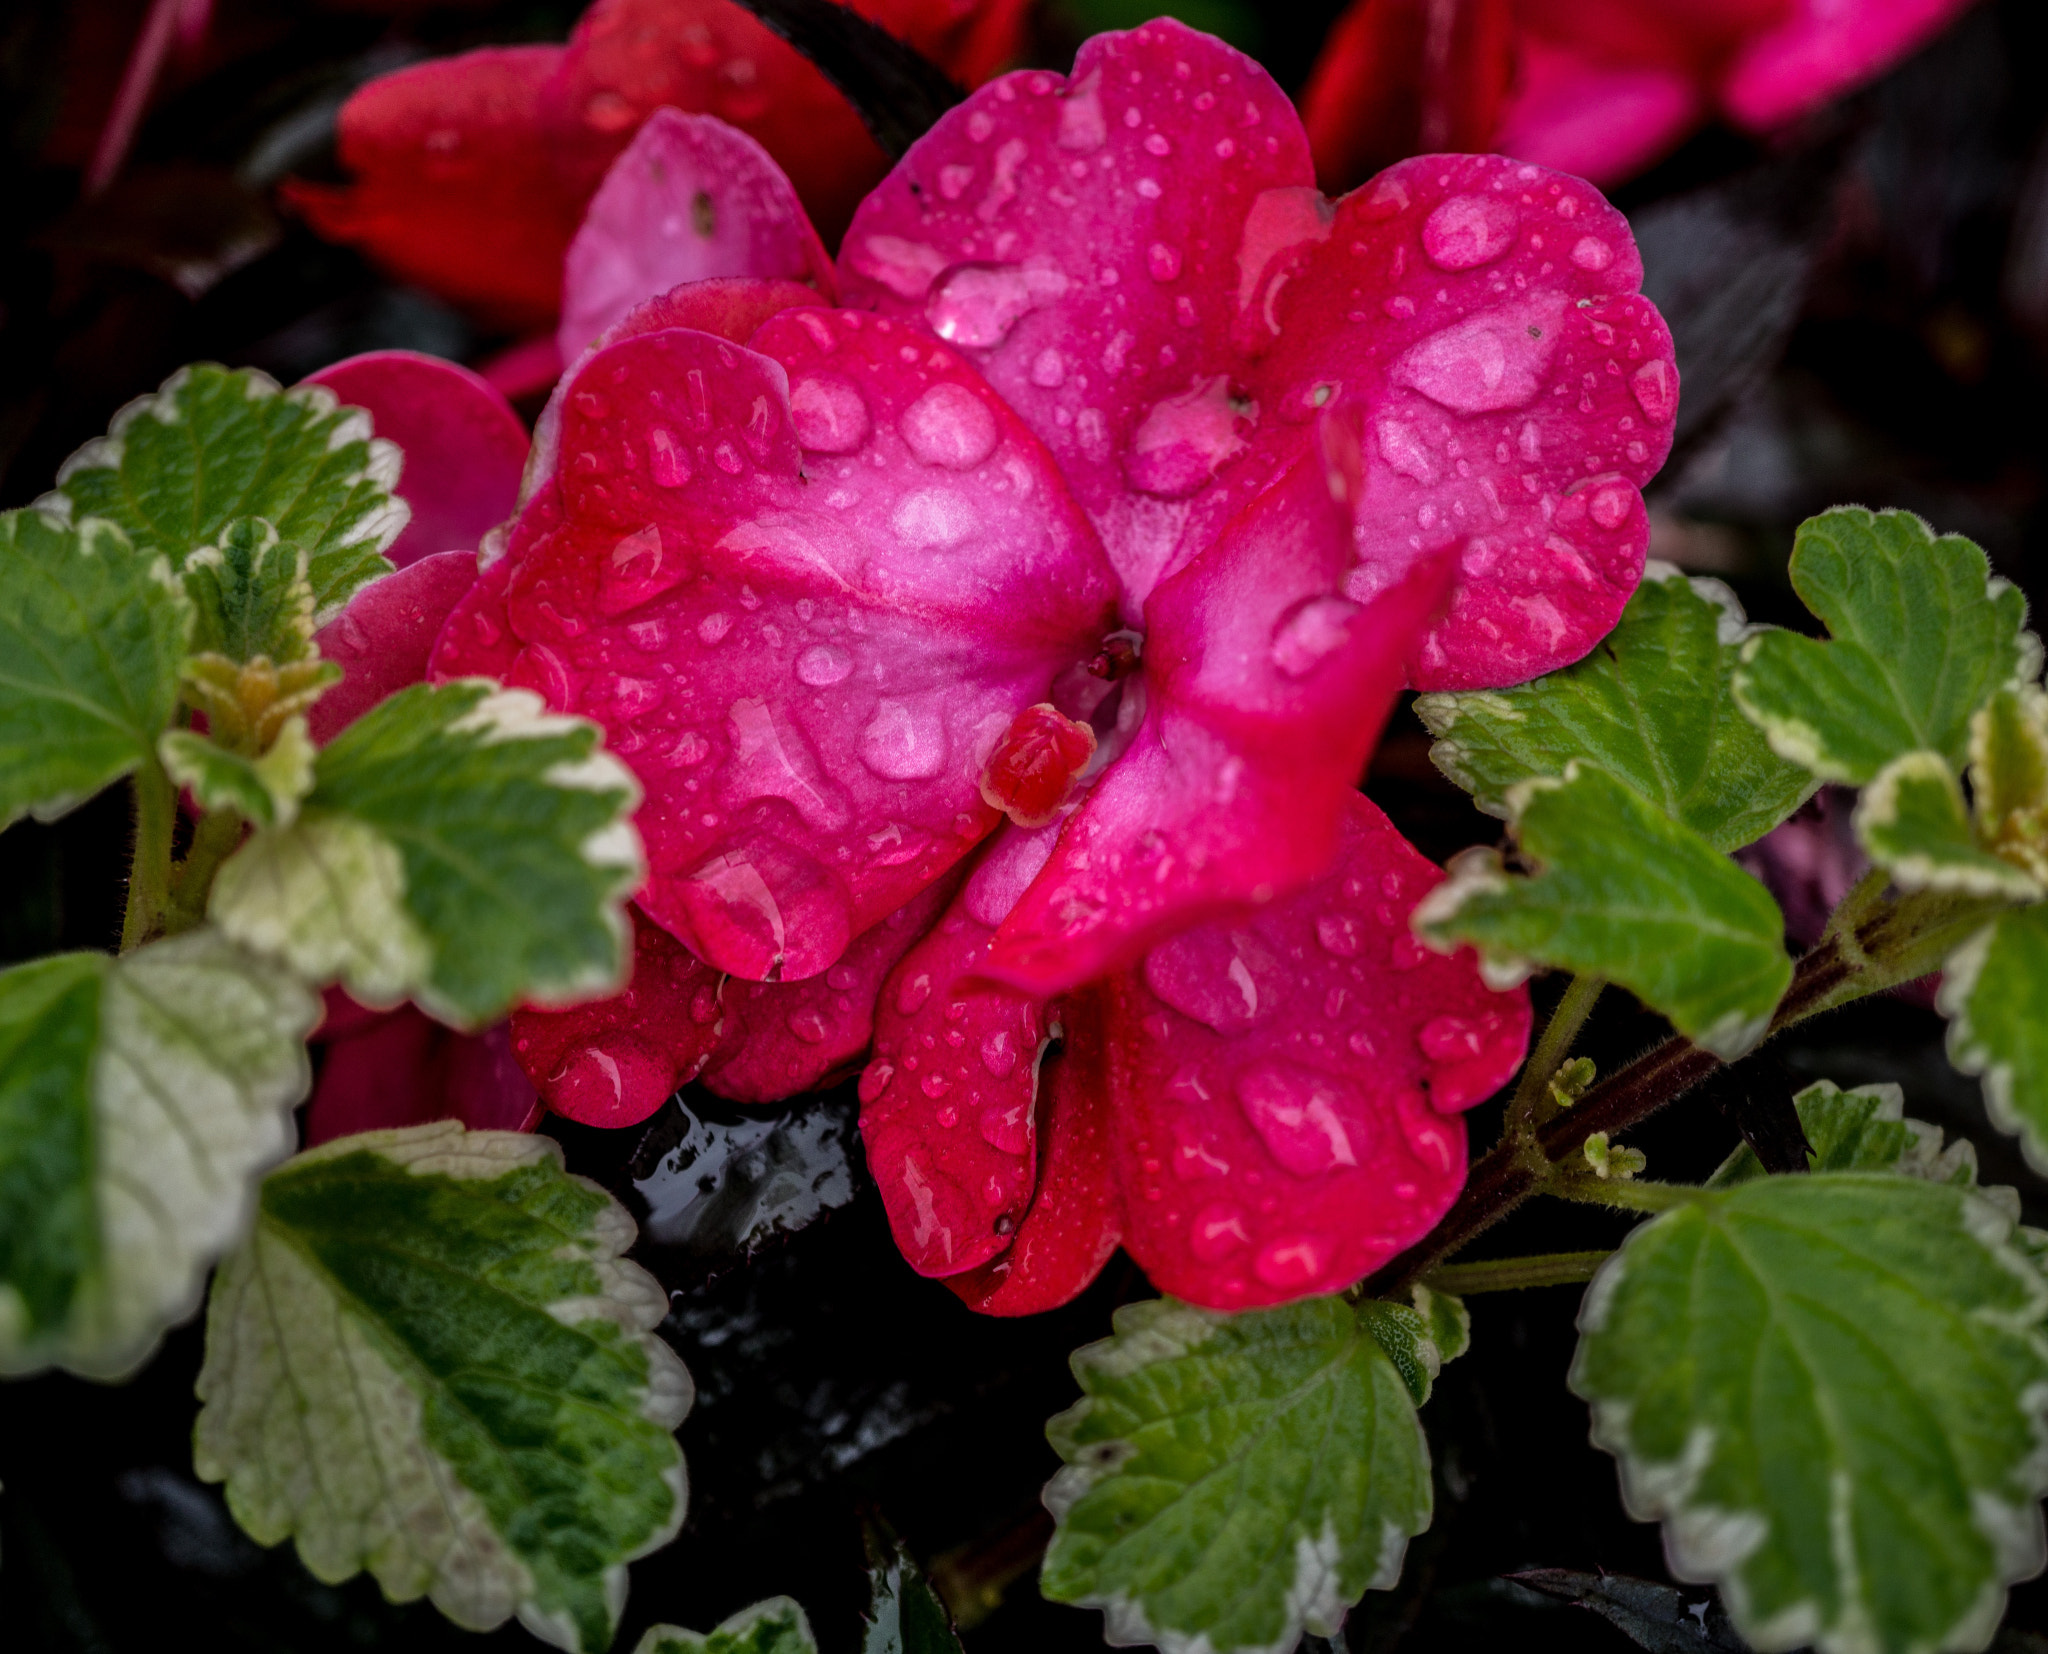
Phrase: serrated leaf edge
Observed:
(1878, 806)
(1968, 1054)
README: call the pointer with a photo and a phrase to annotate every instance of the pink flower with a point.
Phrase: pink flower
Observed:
(1601, 88)
(1079, 561)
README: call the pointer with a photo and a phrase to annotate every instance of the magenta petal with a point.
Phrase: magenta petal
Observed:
(1285, 1087)
(804, 654)
(464, 447)
(1267, 692)
(948, 1101)
(1076, 1216)
(690, 198)
(1599, 120)
(781, 1038)
(1823, 48)
(401, 1068)
(614, 1061)
(384, 636)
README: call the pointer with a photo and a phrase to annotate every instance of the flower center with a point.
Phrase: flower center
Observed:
(1032, 768)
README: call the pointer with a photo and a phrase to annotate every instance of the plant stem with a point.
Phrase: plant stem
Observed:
(217, 837)
(1513, 1274)
(149, 869)
(1873, 942)
(1630, 1194)
(1575, 1005)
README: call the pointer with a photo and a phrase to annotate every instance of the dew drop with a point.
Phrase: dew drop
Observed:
(874, 1080)
(1184, 440)
(1291, 1264)
(903, 742)
(1489, 362)
(998, 1052)
(1656, 388)
(1048, 369)
(808, 1026)
(1217, 1231)
(828, 415)
(913, 992)
(949, 426)
(1339, 934)
(1163, 261)
(823, 664)
(1007, 1126)
(1468, 231)
(667, 464)
(1309, 1122)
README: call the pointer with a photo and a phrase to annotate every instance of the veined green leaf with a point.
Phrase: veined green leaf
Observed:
(2009, 776)
(430, 1360)
(265, 790)
(250, 593)
(214, 444)
(1833, 1392)
(1921, 634)
(1232, 1480)
(91, 634)
(776, 1626)
(139, 1098)
(1913, 821)
(1651, 706)
(1994, 991)
(1626, 893)
(460, 846)
(1864, 1130)
(905, 1615)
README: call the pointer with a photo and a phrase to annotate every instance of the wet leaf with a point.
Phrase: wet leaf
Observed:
(1234, 1480)
(139, 1098)
(1830, 1390)
(1920, 636)
(1651, 706)
(461, 847)
(431, 1361)
(1627, 893)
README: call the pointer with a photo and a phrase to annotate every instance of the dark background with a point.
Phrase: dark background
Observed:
(1862, 314)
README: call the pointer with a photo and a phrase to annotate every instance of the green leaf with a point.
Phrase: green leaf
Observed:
(1913, 821)
(430, 1360)
(139, 1098)
(251, 595)
(266, 790)
(1232, 1480)
(1864, 1130)
(1651, 706)
(91, 634)
(1830, 1390)
(1994, 991)
(1625, 893)
(1921, 637)
(905, 1615)
(461, 846)
(1448, 1322)
(2009, 776)
(214, 444)
(776, 1626)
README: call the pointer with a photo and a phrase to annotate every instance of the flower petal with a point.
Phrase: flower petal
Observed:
(402, 1068)
(1580, 112)
(384, 635)
(1141, 266)
(464, 446)
(801, 655)
(1267, 691)
(1285, 1089)
(690, 199)
(782, 1038)
(1823, 49)
(614, 1062)
(1076, 1216)
(1385, 88)
(949, 1101)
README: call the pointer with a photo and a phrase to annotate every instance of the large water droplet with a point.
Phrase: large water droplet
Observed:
(770, 758)
(999, 1052)
(976, 305)
(1468, 231)
(933, 517)
(638, 569)
(667, 464)
(1227, 980)
(1591, 253)
(1405, 451)
(1488, 362)
(1217, 1231)
(1007, 1126)
(1656, 386)
(1081, 124)
(828, 414)
(904, 742)
(949, 426)
(1310, 632)
(1309, 1122)
(1450, 1039)
(1339, 934)
(823, 664)
(809, 1026)
(1293, 1263)
(1185, 440)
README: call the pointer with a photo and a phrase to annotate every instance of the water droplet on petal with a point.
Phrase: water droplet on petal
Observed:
(1339, 934)
(1162, 261)
(999, 1052)
(976, 305)
(949, 426)
(1488, 362)
(1185, 440)
(1226, 980)
(1310, 632)
(828, 414)
(1656, 386)
(808, 1026)
(1309, 1122)
(638, 569)
(1048, 369)
(823, 664)
(874, 1080)
(1291, 1264)
(1591, 253)
(1217, 1231)
(1007, 1126)
(903, 742)
(1468, 231)
(667, 464)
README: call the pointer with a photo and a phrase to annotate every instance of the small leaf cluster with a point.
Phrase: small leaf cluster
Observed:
(426, 1355)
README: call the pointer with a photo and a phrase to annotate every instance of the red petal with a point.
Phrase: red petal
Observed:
(1602, 120)
(384, 635)
(690, 199)
(800, 658)
(1076, 1217)
(1267, 692)
(949, 1100)
(1282, 1086)
(464, 447)
(614, 1062)
(401, 1068)
(458, 188)
(1406, 77)
(1821, 50)
(781, 1038)
(1169, 308)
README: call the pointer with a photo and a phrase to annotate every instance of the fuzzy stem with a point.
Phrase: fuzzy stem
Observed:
(1573, 1008)
(1630, 1194)
(217, 837)
(149, 870)
(1513, 1274)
